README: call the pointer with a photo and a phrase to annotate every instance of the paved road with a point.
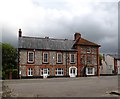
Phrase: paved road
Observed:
(64, 87)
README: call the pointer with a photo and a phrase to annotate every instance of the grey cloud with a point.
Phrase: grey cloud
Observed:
(91, 26)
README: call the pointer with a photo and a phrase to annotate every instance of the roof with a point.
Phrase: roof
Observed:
(52, 44)
(45, 43)
(83, 41)
(116, 56)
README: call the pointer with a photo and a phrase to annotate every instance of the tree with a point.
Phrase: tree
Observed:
(100, 59)
(9, 56)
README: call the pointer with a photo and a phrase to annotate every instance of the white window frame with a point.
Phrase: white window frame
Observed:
(71, 58)
(61, 70)
(44, 57)
(28, 57)
(42, 71)
(57, 57)
(87, 71)
(30, 70)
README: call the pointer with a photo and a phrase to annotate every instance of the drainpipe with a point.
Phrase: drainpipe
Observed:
(66, 65)
(53, 66)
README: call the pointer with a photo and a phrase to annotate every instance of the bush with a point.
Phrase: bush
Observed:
(15, 74)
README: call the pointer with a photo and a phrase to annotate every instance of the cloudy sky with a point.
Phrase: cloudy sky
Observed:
(96, 20)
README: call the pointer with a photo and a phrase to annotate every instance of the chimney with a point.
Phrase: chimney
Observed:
(46, 37)
(20, 33)
(77, 36)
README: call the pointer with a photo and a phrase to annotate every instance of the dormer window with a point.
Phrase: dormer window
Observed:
(30, 57)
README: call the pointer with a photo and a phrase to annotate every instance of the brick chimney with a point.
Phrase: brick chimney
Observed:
(20, 33)
(77, 36)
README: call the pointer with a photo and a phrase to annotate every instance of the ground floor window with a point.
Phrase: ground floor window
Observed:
(90, 71)
(59, 72)
(44, 71)
(30, 72)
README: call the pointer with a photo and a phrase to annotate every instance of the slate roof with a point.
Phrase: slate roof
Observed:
(86, 42)
(45, 43)
(52, 44)
(82, 41)
(116, 56)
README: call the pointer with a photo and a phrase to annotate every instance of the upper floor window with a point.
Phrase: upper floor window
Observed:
(94, 51)
(89, 59)
(72, 58)
(94, 60)
(88, 50)
(83, 59)
(30, 57)
(45, 57)
(59, 57)
(83, 50)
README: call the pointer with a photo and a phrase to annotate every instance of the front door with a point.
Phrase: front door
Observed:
(72, 71)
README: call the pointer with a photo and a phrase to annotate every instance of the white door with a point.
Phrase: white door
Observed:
(72, 71)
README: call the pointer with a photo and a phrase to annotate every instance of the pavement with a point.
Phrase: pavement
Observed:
(64, 87)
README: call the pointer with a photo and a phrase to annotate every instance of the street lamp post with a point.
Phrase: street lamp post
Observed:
(53, 65)
(67, 59)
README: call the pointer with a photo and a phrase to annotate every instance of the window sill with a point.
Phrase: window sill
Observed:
(30, 75)
(45, 62)
(72, 63)
(30, 62)
(59, 63)
(59, 75)
(90, 74)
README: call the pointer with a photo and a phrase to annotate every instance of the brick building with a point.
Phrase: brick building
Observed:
(57, 57)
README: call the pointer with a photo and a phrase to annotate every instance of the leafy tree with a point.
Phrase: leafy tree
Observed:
(9, 56)
(100, 59)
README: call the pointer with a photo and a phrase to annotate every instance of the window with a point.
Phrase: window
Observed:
(72, 58)
(89, 59)
(30, 57)
(89, 71)
(83, 59)
(30, 72)
(59, 57)
(45, 57)
(59, 71)
(88, 50)
(44, 71)
(94, 60)
(83, 50)
(93, 50)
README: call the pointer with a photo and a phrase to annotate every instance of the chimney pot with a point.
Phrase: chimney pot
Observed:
(20, 33)
(46, 37)
(77, 36)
